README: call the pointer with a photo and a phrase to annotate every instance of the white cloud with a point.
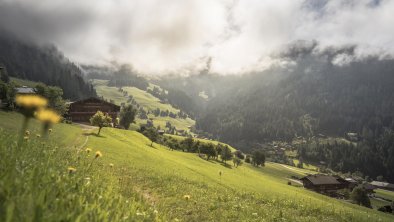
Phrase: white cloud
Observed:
(180, 36)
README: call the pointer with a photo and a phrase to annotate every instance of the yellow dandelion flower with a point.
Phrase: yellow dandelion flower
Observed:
(71, 170)
(186, 197)
(27, 133)
(111, 165)
(88, 150)
(47, 116)
(50, 130)
(98, 154)
(30, 101)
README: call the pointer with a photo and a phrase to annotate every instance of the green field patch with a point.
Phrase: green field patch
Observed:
(144, 99)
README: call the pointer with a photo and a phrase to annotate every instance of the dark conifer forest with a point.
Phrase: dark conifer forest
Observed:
(43, 64)
(307, 97)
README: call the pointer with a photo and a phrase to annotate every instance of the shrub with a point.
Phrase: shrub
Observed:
(247, 159)
(359, 196)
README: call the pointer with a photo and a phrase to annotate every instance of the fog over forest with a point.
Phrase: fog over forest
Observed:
(189, 37)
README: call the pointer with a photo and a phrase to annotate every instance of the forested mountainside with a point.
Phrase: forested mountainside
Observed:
(310, 93)
(43, 64)
(312, 96)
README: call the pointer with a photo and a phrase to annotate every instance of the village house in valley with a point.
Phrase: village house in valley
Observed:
(24, 90)
(81, 111)
(324, 183)
(383, 185)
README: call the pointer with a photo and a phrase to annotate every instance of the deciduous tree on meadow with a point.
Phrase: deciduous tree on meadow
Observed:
(187, 144)
(127, 116)
(258, 158)
(101, 120)
(226, 154)
(151, 133)
(237, 161)
(208, 149)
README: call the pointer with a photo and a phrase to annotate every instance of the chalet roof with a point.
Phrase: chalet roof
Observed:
(94, 99)
(320, 179)
(382, 184)
(351, 180)
(25, 90)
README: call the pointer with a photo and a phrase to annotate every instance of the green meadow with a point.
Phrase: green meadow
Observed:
(24, 82)
(385, 194)
(144, 99)
(132, 181)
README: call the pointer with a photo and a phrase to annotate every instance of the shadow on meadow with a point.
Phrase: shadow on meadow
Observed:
(226, 165)
(93, 134)
(151, 146)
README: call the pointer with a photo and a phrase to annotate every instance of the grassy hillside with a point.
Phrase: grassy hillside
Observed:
(63, 134)
(24, 82)
(55, 179)
(243, 193)
(382, 198)
(385, 194)
(151, 183)
(144, 99)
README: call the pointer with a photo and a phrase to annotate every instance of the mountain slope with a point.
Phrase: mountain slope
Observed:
(43, 64)
(145, 101)
(161, 177)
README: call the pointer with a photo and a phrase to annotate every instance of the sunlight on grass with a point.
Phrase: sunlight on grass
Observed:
(118, 176)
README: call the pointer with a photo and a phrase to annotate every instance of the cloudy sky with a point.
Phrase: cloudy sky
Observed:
(181, 36)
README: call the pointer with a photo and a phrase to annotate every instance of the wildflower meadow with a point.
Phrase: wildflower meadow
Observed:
(75, 175)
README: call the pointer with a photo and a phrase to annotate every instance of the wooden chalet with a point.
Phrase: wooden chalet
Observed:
(25, 90)
(323, 183)
(352, 183)
(81, 111)
(383, 185)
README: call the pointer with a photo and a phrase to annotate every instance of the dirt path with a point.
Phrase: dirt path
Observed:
(295, 181)
(86, 129)
(292, 169)
(85, 126)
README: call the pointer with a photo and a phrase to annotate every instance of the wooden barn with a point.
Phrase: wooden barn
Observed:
(81, 111)
(323, 183)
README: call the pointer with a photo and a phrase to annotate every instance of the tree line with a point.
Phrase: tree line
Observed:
(371, 157)
(204, 149)
(53, 94)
